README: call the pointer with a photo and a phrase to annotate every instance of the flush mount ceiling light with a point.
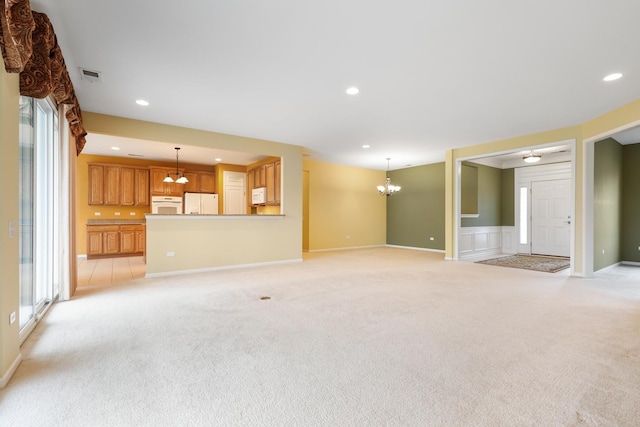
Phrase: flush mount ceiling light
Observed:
(115, 148)
(612, 77)
(180, 178)
(353, 90)
(387, 189)
(532, 157)
(142, 102)
(366, 146)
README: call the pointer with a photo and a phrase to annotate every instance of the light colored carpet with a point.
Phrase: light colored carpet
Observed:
(353, 338)
(545, 264)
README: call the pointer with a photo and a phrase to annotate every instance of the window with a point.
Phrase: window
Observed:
(524, 214)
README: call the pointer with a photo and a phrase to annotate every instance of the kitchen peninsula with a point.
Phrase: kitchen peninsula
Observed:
(178, 244)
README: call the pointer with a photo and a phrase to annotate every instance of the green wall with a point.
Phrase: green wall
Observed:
(489, 198)
(630, 240)
(607, 207)
(507, 201)
(416, 213)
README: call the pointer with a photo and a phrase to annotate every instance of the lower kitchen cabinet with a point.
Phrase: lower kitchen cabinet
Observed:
(115, 240)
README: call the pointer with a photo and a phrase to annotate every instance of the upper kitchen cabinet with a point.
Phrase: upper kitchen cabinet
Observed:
(161, 188)
(200, 182)
(118, 185)
(266, 173)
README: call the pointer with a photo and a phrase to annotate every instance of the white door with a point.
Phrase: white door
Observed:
(235, 197)
(551, 217)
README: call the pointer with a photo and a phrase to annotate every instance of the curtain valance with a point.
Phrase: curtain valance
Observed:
(30, 47)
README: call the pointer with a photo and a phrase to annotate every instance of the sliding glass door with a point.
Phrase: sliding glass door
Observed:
(39, 208)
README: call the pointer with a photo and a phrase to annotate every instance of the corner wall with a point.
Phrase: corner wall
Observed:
(345, 209)
(9, 245)
(630, 240)
(607, 206)
(416, 213)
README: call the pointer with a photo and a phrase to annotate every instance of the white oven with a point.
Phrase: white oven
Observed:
(166, 205)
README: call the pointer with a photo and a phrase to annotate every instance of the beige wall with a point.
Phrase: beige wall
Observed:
(206, 243)
(9, 263)
(345, 209)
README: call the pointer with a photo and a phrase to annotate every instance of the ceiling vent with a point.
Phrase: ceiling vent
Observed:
(91, 76)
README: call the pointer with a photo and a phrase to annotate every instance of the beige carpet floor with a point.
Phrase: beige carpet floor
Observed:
(353, 338)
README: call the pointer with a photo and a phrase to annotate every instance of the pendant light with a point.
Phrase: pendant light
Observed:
(180, 178)
(388, 189)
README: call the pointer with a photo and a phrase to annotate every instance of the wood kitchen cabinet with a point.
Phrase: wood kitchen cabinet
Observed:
(200, 182)
(118, 185)
(268, 175)
(161, 188)
(96, 184)
(103, 240)
(132, 239)
(115, 240)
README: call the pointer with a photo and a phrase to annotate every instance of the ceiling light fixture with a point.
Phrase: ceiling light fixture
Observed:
(612, 77)
(532, 157)
(142, 102)
(180, 178)
(218, 159)
(387, 189)
(366, 146)
(115, 148)
(353, 90)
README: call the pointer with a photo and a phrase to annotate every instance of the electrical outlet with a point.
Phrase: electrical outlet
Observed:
(12, 318)
(348, 237)
(432, 238)
(603, 252)
(171, 254)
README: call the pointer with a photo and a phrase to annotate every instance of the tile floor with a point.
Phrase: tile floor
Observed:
(110, 270)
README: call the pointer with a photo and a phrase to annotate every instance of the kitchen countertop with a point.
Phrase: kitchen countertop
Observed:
(115, 221)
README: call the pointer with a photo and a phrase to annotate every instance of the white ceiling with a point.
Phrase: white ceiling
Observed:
(432, 75)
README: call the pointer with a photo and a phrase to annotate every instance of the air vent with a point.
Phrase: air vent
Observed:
(91, 76)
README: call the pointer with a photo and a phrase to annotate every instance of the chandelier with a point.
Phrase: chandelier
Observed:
(532, 157)
(180, 178)
(388, 189)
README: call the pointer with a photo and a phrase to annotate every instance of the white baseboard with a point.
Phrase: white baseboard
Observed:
(413, 248)
(225, 267)
(4, 380)
(82, 256)
(350, 248)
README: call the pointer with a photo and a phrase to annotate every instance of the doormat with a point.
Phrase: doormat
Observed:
(545, 264)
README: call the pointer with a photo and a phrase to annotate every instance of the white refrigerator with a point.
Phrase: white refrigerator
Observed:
(201, 203)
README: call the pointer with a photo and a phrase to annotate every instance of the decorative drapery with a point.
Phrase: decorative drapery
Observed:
(30, 47)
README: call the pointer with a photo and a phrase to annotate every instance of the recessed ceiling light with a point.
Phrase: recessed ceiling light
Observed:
(612, 77)
(142, 102)
(218, 159)
(366, 146)
(115, 148)
(353, 90)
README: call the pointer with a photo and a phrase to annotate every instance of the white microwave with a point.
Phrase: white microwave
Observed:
(259, 196)
(166, 205)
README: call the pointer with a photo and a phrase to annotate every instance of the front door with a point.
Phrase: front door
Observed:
(551, 217)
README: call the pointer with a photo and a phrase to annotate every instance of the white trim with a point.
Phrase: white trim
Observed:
(12, 370)
(224, 267)
(82, 256)
(190, 217)
(345, 249)
(470, 215)
(413, 248)
(480, 241)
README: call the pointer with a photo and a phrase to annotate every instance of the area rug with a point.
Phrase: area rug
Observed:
(546, 264)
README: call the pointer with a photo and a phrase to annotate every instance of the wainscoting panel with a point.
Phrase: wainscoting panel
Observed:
(478, 242)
